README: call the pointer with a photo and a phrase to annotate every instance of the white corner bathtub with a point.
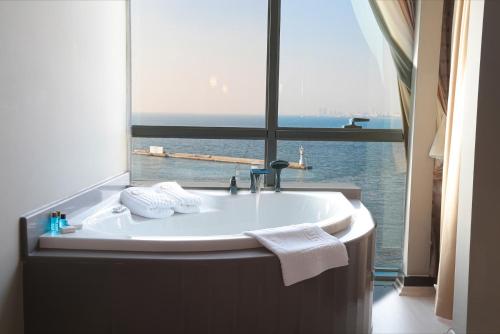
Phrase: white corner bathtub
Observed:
(219, 226)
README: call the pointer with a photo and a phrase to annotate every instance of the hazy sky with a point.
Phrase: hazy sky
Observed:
(209, 57)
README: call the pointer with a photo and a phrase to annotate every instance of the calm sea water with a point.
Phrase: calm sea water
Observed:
(378, 168)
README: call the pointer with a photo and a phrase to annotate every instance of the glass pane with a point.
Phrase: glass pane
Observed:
(379, 169)
(184, 164)
(199, 63)
(334, 65)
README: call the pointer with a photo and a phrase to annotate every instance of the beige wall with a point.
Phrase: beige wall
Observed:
(419, 185)
(471, 83)
(484, 268)
(62, 114)
(478, 240)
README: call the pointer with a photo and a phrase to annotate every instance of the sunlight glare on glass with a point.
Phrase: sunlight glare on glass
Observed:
(212, 81)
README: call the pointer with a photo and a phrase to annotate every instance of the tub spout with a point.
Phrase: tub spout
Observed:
(255, 174)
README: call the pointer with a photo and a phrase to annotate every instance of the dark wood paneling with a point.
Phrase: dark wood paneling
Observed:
(67, 298)
(219, 293)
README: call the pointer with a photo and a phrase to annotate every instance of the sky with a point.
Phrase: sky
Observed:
(209, 58)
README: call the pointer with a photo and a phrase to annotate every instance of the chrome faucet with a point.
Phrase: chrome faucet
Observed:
(278, 165)
(233, 188)
(255, 174)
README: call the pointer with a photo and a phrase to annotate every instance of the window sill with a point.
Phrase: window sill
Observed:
(350, 191)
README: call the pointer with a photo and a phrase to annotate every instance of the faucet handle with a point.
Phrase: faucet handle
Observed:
(233, 188)
(279, 164)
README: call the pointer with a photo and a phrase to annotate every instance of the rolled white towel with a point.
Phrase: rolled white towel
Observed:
(147, 202)
(187, 202)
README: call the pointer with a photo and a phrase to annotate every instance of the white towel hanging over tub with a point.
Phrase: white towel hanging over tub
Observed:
(304, 250)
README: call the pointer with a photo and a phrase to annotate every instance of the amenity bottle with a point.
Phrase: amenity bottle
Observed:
(54, 222)
(63, 221)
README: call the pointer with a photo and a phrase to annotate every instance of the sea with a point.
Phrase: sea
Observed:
(378, 168)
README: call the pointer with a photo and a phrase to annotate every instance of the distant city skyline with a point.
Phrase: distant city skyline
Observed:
(192, 57)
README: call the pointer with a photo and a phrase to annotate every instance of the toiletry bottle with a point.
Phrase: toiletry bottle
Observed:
(63, 221)
(54, 227)
(58, 218)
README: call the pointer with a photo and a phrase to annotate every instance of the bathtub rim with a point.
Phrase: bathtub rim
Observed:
(90, 239)
(363, 219)
(33, 224)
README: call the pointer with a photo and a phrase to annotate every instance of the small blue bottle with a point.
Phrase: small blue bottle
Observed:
(54, 223)
(58, 217)
(63, 221)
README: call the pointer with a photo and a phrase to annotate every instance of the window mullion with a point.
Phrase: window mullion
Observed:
(272, 83)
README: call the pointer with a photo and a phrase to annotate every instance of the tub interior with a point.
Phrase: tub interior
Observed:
(222, 214)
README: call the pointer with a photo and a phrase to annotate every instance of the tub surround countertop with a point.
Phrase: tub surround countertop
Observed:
(349, 190)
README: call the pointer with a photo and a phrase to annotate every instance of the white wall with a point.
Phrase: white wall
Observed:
(62, 114)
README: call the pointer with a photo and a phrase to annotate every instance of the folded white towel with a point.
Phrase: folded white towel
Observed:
(186, 202)
(147, 202)
(304, 250)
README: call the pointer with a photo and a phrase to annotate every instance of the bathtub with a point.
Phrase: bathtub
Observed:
(193, 273)
(219, 226)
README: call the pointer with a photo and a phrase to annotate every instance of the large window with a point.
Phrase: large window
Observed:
(197, 164)
(257, 80)
(378, 168)
(334, 65)
(199, 63)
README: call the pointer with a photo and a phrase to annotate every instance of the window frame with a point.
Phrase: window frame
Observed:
(272, 132)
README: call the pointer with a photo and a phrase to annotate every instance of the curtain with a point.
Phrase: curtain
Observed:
(396, 20)
(451, 167)
(437, 149)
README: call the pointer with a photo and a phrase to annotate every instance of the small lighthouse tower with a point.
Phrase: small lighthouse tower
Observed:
(302, 161)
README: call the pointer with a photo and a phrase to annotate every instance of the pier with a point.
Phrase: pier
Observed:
(156, 151)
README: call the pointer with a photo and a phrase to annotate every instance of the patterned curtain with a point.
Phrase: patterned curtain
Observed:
(452, 157)
(444, 77)
(396, 20)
